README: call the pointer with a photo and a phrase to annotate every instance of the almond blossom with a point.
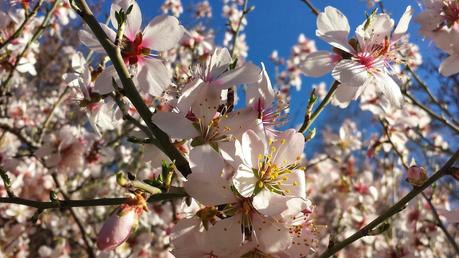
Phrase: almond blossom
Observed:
(161, 34)
(361, 61)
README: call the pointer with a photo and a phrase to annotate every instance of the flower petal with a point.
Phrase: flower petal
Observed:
(389, 88)
(154, 77)
(289, 147)
(104, 83)
(252, 148)
(246, 74)
(333, 27)
(244, 181)
(134, 19)
(162, 33)
(450, 65)
(175, 124)
(350, 72)
(207, 184)
(402, 26)
(319, 63)
(345, 93)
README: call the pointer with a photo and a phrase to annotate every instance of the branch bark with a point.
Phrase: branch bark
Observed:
(129, 89)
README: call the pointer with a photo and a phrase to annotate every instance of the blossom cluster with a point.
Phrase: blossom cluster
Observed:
(202, 173)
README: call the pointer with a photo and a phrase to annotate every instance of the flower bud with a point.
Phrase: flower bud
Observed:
(417, 175)
(117, 228)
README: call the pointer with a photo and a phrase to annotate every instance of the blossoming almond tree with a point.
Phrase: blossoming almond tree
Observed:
(166, 142)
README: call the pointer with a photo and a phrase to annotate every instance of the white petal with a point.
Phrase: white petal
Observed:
(192, 91)
(272, 237)
(244, 181)
(104, 83)
(225, 237)
(89, 39)
(246, 74)
(378, 30)
(402, 26)
(175, 124)
(389, 88)
(154, 77)
(450, 65)
(269, 203)
(289, 147)
(219, 62)
(162, 33)
(319, 63)
(350, 72)
(262, 90)
(252, 148)
(134, 19)
(345, 94)
(333, 27)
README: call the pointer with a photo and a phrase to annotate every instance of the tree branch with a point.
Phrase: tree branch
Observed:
(129, 88)
(394, 209)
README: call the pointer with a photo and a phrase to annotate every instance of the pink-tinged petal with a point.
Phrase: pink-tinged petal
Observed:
(450, 65)
(225, 237)
(451, 216)
(191, 92)
(269, 203)
(252, 148)
(319, 63)
(104, 83)
(289, 147)
(134, 19)
(188, 238)
(205, 108)
(219, 62)
(295, 185)
(153, 77)
(246, 74)
(376, 32)
(333, 27)
(206, 183)
(402, 26)
(175, 125)
(272, 237)
(389, 88)
(162, 33)
(261, 91)
(345, 93)
(245, 181)
(89, 39)
(350, 72)
(238, 122)
(116, 230)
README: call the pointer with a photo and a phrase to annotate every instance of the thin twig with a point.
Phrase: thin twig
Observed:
(5, 84)
(86, 240)
(314, 10)
(432, 113)
(64, 204)
(308, 122)
(21, 27)
(42, 130)
(440, 223)
(394, 209)
(230, 94)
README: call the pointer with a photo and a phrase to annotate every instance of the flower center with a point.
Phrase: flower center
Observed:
(451, 12)
(365, 59)
(132, 51)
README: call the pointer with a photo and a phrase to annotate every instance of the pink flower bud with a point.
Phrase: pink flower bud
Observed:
(417, 175)
(117, 228)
